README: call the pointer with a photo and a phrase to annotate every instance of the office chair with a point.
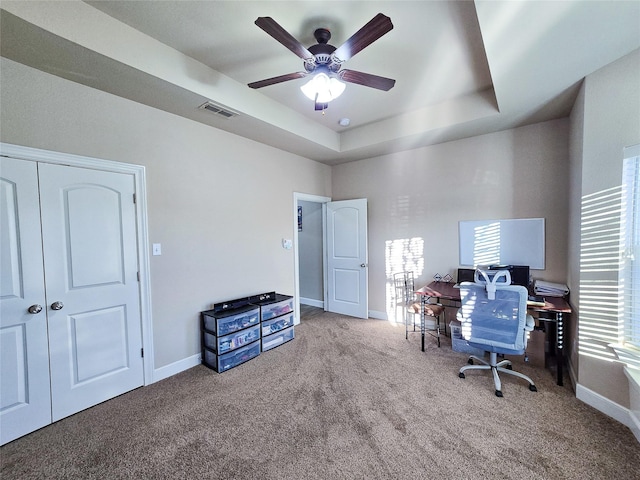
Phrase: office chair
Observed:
(493, 316)
(405, 290)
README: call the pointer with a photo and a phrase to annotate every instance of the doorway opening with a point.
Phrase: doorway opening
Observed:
(340, 230)
(308, 238)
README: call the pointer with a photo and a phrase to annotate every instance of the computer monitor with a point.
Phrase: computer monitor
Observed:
(519, 273)
(465, 275)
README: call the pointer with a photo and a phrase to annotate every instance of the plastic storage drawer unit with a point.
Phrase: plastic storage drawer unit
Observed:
(220, 345)
(272, 305)
(276, 339)
(277, 324)
(221, 363)
(222, 323)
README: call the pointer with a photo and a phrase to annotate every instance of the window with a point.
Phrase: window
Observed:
(630, 272)
(610, 268)
(628, 347)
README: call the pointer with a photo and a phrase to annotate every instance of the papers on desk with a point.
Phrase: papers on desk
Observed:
(550, 289)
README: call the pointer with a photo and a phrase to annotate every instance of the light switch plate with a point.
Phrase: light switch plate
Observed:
(287, 243)
(157, 249)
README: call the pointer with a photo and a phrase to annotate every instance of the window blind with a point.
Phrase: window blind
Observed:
(600, 290)
(630, 243)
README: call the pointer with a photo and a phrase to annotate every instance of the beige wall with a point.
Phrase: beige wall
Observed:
(417, 198)
(206, 194)
(605, 119)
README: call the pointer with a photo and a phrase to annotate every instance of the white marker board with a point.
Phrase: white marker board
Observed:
(505, 242)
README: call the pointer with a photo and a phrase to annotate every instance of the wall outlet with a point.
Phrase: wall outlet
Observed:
(287, 243)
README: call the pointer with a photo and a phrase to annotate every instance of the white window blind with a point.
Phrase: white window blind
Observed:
(600, 266)
(610, 268)
(630, 272)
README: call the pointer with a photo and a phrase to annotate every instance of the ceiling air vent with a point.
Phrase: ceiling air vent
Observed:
(218, 110)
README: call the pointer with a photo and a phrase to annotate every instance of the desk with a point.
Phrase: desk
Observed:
(554, 306)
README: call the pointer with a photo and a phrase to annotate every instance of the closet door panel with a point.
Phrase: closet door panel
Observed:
(89, 239)
(25, 399)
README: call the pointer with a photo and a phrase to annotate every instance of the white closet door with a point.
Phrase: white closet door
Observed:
(89, 243)
(25, 400)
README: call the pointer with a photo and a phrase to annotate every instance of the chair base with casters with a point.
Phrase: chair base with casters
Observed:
(503, 366)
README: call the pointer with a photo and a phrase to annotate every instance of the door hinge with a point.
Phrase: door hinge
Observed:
(138, 275)
(142, 352)
(134, 198)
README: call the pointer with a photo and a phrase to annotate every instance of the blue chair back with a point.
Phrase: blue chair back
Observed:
(496, 325)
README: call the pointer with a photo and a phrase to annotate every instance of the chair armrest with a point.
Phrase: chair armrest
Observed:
(530, 323)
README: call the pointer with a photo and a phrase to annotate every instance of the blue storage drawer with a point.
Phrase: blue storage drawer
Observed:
(277, 324)
(224, 323)
(222, 363)
(227, 343)
(276, 339)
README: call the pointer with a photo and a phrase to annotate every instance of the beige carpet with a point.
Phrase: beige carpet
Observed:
(347, 399)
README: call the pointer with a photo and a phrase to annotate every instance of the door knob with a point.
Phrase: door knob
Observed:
(363, 265)
(33, 309)
(57, 306)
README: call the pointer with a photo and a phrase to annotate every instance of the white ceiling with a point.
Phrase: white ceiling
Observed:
(462, 68)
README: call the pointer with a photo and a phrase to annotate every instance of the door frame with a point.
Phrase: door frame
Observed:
(142, 238)
(296, 261)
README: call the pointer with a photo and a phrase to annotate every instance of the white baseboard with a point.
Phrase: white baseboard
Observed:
(635, 425)
(176, 367)
(378, 315)
(311, 302)
(608, 407)
(634, 400)
(429, 323)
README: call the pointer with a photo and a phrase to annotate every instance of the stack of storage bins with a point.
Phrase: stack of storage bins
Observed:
(230, 334)
(276, 317)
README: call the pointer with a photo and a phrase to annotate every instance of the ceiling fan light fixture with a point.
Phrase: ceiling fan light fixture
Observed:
(322, 88)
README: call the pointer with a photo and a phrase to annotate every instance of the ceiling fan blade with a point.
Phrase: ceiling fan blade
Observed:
(272, 81)
(377, 27)
(367, 79)
(270, 26)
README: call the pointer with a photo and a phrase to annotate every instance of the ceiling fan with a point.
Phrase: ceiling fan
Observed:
(324, 61)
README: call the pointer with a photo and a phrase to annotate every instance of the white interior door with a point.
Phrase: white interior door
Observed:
(90, 258)
(25, 399)
(347, 258)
